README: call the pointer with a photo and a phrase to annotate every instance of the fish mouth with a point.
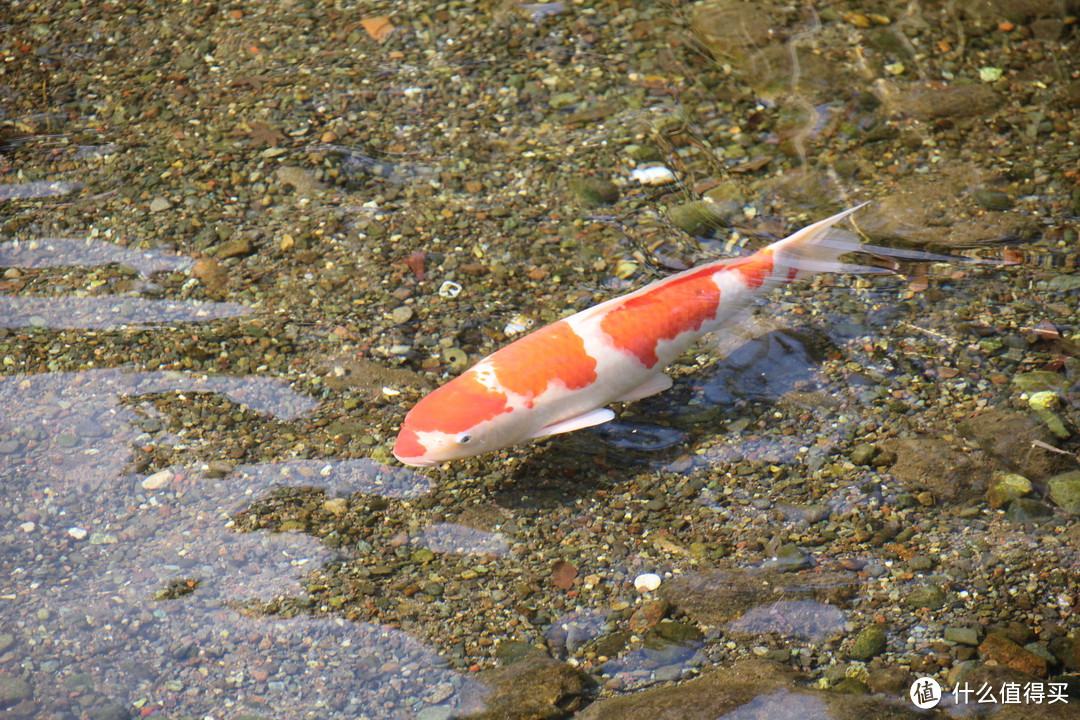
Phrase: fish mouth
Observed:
(415, 461)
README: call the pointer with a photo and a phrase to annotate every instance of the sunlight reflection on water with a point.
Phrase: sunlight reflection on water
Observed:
(781, 705)
(88, 252)
(462, 540)
(801, 619)
(86, 550)
(90, 554)
(105, 313)
(38, 189)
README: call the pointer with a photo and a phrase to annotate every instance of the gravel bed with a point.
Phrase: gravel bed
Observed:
(239, 241)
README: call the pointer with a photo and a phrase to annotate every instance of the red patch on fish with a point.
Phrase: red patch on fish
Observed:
(408, 444)
(755, 268)
(683, 304)
(528, 366)
(457, 406)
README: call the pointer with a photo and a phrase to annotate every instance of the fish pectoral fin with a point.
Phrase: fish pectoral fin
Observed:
(593, 417)
(657, 383)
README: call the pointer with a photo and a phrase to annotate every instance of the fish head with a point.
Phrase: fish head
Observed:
(464, 418)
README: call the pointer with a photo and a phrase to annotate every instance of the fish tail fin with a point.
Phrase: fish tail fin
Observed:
(817, 249)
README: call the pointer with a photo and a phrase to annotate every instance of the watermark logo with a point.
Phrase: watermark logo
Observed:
(925, 693)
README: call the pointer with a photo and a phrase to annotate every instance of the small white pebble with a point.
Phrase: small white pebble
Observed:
(449, 289)
(647, 582)
(28, 526)
(158, 480)
(77, 532)
(655, 175)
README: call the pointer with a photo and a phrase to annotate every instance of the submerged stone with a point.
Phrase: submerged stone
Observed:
(702, 217)
(869, 642)
(751, 689)
(1038, 381)
(864, 453)
(926, 596)
(1008, 653)
(594, 191)
(1065, 491)
(532, 689)
(1006, 487)
(1025, 510)
(993, 199)
(13, 690)
(962, 635)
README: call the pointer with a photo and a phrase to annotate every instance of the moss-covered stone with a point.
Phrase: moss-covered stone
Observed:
(926, 596)
(1006, 487)
(1065, 491)
(869, 642)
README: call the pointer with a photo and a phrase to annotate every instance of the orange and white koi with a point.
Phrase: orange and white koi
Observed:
(560, 378)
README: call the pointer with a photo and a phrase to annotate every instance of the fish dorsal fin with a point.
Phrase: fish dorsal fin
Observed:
(588, 419)
(657, 383)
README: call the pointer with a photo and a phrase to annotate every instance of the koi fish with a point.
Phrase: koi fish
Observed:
(560, 378)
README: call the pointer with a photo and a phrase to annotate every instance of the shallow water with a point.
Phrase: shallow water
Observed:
(442, 176)
(92, 555)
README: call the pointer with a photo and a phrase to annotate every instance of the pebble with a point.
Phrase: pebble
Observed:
(926, 596)
(341, 267)
(649, 614)
(790, 557)
(336, 506)
(160, 204)
(233, 248)
(993, 199)
(1025, 510)
(654, 175)
(1006, 487)
(595, 191)
(961, 635)
(77, 532)
(647, 582)
(864, 453)
(702, 217)
(158, 480)
(401, 314)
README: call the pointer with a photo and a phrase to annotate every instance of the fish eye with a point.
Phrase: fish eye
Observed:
(464, 439)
